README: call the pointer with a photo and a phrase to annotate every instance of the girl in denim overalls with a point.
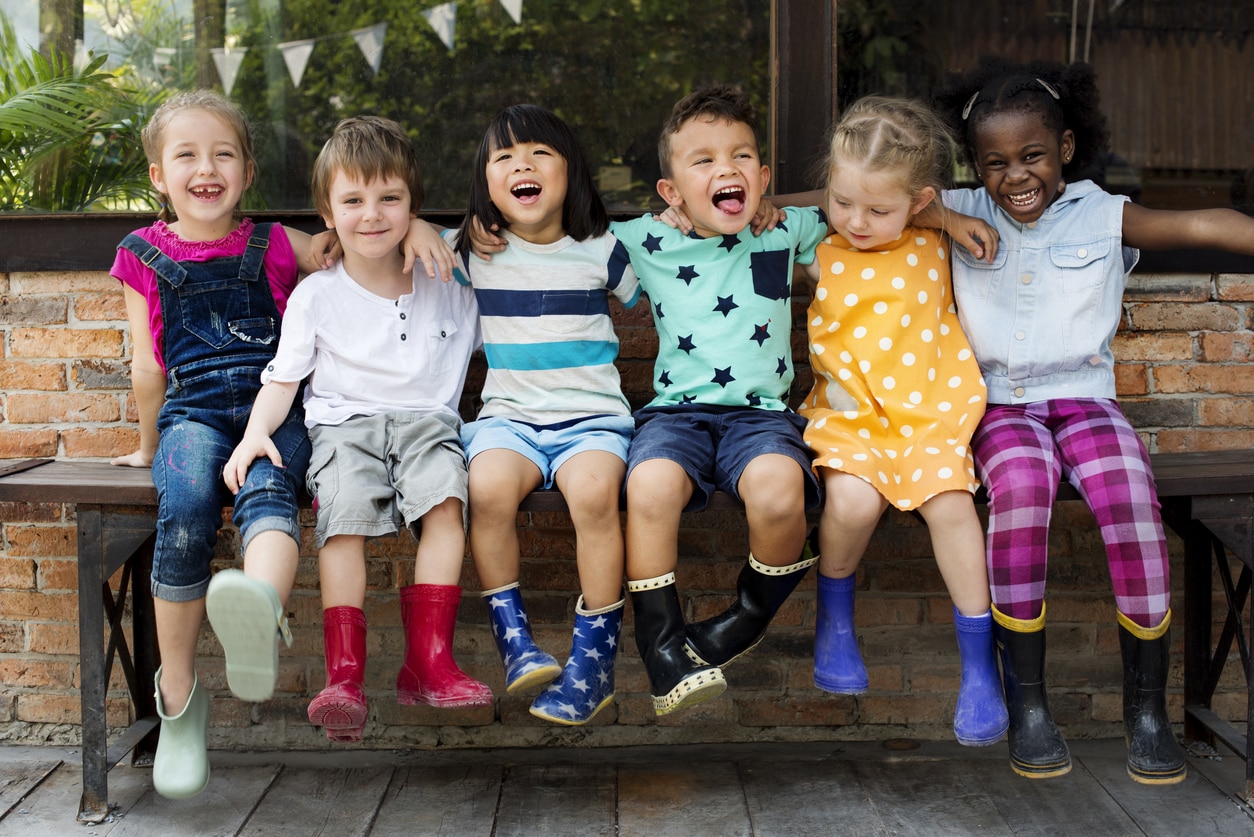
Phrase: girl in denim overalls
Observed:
(204, 293)
(1041, 318)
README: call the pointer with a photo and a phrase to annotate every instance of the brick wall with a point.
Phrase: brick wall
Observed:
(1186, 377)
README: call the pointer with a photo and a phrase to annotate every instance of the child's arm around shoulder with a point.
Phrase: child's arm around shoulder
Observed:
(1211, 229)
(147, 380)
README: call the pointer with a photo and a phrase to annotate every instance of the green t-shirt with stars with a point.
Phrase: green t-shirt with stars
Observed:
(722, 308)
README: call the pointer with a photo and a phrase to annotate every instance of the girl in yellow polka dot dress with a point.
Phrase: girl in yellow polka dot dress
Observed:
(897, 394)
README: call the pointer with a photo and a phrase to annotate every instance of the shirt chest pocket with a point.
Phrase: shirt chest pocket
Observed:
(1082, 267)
(442, 343)
(563, 312)
(976, 278)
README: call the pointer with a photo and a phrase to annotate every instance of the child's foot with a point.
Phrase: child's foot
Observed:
(248, 619)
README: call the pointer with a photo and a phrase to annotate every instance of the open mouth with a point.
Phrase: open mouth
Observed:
(527, 191)
(730, 199)
(1024, 199)
(206, 192)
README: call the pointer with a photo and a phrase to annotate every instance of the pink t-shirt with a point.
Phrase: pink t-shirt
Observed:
(279, 261)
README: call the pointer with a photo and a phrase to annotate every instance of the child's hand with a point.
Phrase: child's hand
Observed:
(767, 216)
(675, 218)
(483, 243)
(250, 448)
(325, 249)
(138, 459)
(424, 243)
(978, 236)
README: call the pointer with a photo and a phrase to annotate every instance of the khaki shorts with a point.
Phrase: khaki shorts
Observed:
(373, 474)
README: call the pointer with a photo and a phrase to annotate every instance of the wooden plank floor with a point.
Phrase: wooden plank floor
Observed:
(861, 788)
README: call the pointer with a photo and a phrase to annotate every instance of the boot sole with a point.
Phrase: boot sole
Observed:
(417, 699)
(837, 687)
(694, 689)
(1174, 777)
(573, 722)
(533, 679)
(241, 613)
(1034, 771)
(691, 653)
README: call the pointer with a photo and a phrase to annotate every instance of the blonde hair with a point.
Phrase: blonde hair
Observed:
(367, 147)
(898, 136)
(153, 135)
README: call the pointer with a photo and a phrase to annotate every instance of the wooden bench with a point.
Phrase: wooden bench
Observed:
(1207, 499)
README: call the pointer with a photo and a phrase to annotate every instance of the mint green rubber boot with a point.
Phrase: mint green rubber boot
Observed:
(180, 770)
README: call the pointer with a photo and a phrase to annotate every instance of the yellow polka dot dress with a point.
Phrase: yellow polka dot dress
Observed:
(897, 391)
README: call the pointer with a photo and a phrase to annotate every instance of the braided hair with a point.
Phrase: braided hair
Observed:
(1064, 96)
(901, 136)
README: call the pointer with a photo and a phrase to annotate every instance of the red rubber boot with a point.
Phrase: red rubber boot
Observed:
(430, 674)
(340, 708)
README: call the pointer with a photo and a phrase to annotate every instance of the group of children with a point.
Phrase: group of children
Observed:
(924, 389)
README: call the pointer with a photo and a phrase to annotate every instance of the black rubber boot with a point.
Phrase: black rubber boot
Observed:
(1037, 748)
(760, 592)
(1154, 755)
(675, 681)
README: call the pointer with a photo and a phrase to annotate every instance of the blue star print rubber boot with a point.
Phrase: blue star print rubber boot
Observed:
(526, 666)
(586, 685)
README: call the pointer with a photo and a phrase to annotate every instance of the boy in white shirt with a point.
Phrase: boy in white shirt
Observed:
(385, 353)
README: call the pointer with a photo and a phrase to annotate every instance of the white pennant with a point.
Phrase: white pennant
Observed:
(370, 42)
(443, 19)
(296, 57)
(228, 63)
(514, 7)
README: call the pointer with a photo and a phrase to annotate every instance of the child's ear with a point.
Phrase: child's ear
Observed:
(156, 178)
(329, 221)
(926, 195)
(766, 178)
(669, 193)
(1067, 146)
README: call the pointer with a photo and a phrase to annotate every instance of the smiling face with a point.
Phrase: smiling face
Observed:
(527, 183)
(371, 219)
(716, 175)
(870, 209)
(204, 172)
(1020, 161)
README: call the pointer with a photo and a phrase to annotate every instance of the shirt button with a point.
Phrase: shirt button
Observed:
(402, 315)
(443, 334)
(1019, 335)
(1027, 279)
(403, 337)
(1082, 252)
(1018, 392)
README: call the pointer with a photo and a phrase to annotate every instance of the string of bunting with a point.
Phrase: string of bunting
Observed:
(442, 19)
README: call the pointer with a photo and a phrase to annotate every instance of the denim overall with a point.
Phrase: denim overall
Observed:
(221, 329)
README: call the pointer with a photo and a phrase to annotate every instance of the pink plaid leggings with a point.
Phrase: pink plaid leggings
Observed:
(1020, 452)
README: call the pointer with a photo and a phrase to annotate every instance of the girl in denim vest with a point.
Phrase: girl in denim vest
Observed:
(1041, 317)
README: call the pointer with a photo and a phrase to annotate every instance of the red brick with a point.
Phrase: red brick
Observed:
(1234, 287)
(67, 709)
(912, 709)
(803, 711)
(36, 674)
(65, 342)
(20, 444)
(55, 574)
(96, 307)
(62, 282)
(1188, 316)
(25, 604)
(1226, 412)
(1204, 378)
(1131, 379)
(41, 540)
(53, 638)
(1153, 346)
(17, 573)
(32, 512)
(63, 407)
(1227, 347)
(29, 375)
(1172, 441)
(100, 441)
(12, 637)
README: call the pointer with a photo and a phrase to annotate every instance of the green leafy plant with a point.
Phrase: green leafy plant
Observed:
(69, 138)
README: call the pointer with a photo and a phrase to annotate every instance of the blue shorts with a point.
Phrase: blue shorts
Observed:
(714, 445)
(549, 447)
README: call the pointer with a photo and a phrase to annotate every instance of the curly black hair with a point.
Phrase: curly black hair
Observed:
(998, 84)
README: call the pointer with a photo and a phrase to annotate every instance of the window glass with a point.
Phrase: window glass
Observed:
(1177, 79)
(612, 68)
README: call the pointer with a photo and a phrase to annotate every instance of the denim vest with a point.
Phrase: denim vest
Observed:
(1042, 316)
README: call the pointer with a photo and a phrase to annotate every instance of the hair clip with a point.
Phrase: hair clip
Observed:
(966, 110)
(1048, 87)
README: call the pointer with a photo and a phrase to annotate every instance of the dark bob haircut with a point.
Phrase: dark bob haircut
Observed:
(583, 213)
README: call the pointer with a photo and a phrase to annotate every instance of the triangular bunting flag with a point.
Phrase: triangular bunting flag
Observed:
(228, 65)
(443, 19)
(514, 7)
(370, 42)
(296, 57)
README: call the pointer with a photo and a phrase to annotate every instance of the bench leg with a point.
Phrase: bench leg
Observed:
(93, 805)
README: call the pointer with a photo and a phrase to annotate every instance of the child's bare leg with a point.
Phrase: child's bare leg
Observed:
(178, 627)
(442, 547)
(499, 480)
(980, 717)
(272, 557)
(958, 543)
(772, 487)
(657, 491)
(591, 482)
(342, 571)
